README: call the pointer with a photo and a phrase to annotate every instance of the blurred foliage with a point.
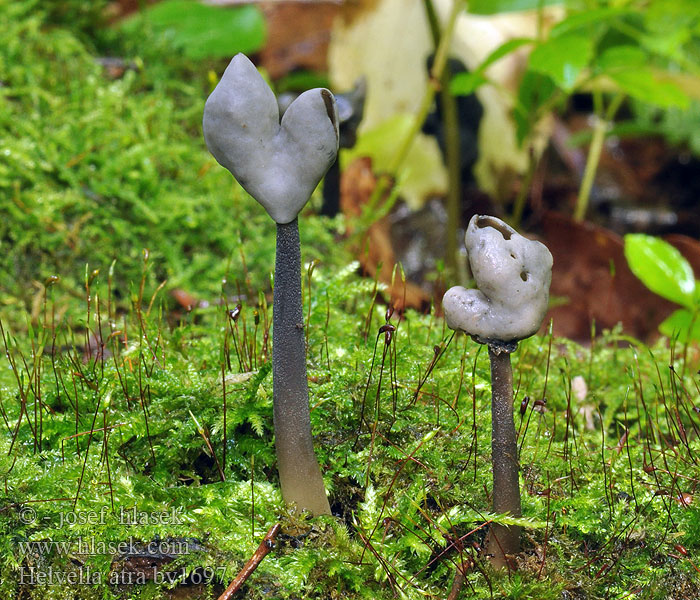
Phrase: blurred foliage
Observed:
(86, 19)
(679, 126)
(493, 7)
(661, 267)
(643, 50)
(199, 30)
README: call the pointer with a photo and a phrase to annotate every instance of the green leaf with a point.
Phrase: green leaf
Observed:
(627, 66)
(661, 267)
(207, 31)
(671, 15)
(643, 84)
(621, 57)
(563, 58)
(465, 83)
(492, 7)
(682, 325)
(669, 44)
(300, 81)
(586, 18)
(535, 89)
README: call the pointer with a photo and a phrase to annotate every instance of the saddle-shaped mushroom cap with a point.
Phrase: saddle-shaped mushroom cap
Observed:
(278, 163)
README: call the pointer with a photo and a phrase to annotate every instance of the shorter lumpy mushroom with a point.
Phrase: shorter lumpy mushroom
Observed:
(512, 274)
(279, 162)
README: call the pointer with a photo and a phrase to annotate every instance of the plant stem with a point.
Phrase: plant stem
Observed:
(429, 96)
(524, 192)
(452, 157)
(383, 184)
(450, 123)
(594, 152)
(457, 584)
(503, 540)
(300, 475)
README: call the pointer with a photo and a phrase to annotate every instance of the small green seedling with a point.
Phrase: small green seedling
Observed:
(664, 270)
(513, 275)
(280, 165)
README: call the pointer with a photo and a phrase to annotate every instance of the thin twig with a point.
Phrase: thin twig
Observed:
(457, 584)
(267, 544)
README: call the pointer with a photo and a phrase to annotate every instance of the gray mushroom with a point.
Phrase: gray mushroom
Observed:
(279, 164)
(513, 275)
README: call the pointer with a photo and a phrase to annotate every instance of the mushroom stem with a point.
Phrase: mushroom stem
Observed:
(503, 541)
(300, 475)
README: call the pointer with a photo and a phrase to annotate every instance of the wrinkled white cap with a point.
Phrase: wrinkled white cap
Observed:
(512, 274)
(279, 164)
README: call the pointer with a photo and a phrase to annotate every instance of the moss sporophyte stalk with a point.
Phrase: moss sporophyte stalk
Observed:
(279, 163)
(513, 275)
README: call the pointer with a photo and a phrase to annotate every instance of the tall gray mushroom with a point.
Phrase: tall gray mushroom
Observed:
(512, 275)
(279, 163)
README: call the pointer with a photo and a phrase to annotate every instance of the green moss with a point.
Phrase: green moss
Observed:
(95, 170)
